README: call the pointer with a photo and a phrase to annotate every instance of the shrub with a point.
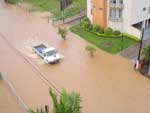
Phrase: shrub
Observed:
(85, 25)
(85, 19)
(108, 31)
(108, 36)
(146, 53)
(90, 27)
(96, 28)
(90, 49)
(117, 32)
(101, 31)
(63, 32)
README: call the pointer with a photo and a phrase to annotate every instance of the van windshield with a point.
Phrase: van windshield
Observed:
(50, 53)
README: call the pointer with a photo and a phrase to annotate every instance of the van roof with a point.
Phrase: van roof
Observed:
(48, 49)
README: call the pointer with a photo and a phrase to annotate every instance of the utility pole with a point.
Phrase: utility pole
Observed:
(141, 42)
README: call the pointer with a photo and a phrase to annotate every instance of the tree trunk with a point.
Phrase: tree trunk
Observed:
(64, 37)
(92, 54)
(6, 1)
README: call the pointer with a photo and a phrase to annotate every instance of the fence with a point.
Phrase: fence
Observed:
(69, 20)
(13, 91)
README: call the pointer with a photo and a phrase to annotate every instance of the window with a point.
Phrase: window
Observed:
(115, 14)
(120, 13)
(144, 9)
(120, 1)
(113, 1)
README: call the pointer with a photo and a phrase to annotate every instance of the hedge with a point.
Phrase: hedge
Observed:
(132, 37)
(107, 32)
(108, 36)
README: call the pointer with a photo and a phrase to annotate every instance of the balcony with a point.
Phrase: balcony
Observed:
(116, 5)
(115, 19)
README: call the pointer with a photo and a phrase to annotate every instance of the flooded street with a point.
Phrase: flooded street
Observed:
(8, 104)
(107, 83)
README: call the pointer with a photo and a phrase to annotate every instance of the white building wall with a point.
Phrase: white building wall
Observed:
(132, 14)
(116, 25)
(89, 8)
(137, 13)
(125, 24)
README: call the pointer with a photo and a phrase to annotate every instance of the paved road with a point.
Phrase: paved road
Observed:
(107, 83)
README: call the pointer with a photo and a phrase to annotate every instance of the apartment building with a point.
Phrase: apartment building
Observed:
(127, 16)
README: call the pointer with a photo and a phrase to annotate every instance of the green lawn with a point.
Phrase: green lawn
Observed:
(111, 45)
(54, 7)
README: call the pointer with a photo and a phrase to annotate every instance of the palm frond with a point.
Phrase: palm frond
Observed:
(54, 99)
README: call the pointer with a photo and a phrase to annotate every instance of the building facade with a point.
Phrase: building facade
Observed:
(127, 16)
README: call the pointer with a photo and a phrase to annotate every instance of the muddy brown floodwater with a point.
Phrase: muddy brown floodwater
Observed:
(8, 103)
(107, 83)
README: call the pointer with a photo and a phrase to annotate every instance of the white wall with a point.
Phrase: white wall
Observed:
(132, 13)
(125, 25)
(137, 13)
(116, 25)
(89, 7)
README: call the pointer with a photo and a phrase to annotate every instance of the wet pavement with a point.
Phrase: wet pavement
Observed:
(107, 83)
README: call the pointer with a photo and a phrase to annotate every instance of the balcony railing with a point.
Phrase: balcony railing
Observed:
(115, 19)
(116, 5)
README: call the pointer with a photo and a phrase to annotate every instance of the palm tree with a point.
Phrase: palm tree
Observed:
(63, 32)
(67, 103)
(90, 49)
(146, 53)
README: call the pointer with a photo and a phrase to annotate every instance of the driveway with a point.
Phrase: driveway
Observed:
(107, 83)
